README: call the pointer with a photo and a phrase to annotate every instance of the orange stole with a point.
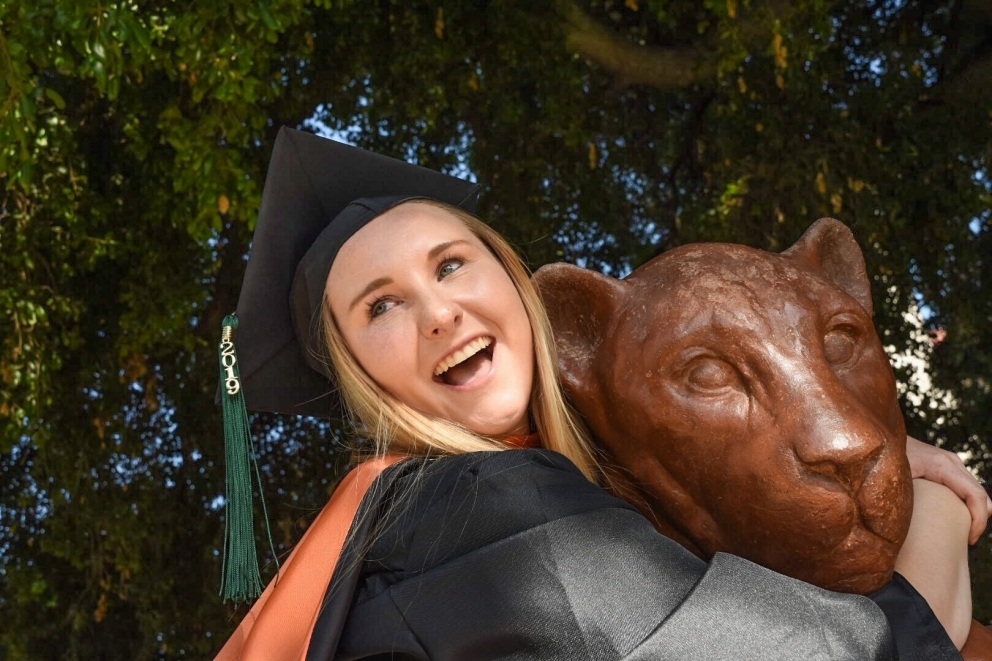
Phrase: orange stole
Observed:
(523, 441)
(281, 622)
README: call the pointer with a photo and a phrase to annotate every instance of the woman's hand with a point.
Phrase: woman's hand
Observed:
(943, 467)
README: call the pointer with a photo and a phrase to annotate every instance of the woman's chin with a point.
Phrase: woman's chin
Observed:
(509, 425)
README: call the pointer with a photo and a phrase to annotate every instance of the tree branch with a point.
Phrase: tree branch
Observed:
(970, 63)
(961, 89)
(663, 68)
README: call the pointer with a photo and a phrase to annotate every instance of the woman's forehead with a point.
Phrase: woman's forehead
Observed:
(425, 223)
(405, 236)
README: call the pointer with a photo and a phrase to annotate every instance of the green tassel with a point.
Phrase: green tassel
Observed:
(240, 579)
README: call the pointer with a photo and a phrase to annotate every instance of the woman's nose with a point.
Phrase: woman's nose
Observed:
(440, 317)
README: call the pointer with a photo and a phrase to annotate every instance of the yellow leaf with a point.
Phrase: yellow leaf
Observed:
(781, 52)
(779, 81)
(741, 84)
(855, 185)
(223, 204)
(101, 609)
(732, 8)
(473, 82)
(837, 202)
(135, 368)
(631, 5)
(821, 183)
(759, 127)
(593, 158)
(151, 401)
(439, 23)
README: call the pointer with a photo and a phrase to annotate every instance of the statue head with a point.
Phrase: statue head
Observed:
(744, 403)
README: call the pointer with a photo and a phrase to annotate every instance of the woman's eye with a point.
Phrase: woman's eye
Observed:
(449, 267)
(379, 307)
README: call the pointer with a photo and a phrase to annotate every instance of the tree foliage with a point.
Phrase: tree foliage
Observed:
(135, 139)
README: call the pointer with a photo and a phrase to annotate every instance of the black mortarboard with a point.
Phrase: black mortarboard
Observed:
(317, 194)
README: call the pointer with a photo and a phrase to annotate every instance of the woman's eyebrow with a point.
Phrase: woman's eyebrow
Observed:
(441, 247)
(369, 288)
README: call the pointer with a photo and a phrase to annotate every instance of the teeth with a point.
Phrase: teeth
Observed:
(469, 350)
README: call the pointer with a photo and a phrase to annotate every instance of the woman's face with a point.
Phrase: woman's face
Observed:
(434, 319)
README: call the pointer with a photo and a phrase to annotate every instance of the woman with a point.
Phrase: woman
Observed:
(443, 354)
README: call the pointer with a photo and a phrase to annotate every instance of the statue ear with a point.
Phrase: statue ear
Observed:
(829, 248)
(581, 305)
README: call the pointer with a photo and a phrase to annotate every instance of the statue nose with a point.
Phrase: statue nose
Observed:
(844, 447)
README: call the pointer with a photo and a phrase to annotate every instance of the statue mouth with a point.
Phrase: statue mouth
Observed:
(884, 504)
(881, 520)
(864, 562)
(874, 504)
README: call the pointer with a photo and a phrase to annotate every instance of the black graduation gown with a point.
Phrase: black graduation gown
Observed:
(516, 555)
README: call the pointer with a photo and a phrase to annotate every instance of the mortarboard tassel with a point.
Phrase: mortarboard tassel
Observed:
(240, 578)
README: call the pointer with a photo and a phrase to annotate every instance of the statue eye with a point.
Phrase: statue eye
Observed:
(708, 373)
(839, 345)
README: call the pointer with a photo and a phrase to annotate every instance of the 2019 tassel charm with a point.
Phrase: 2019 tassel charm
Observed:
(240, 579)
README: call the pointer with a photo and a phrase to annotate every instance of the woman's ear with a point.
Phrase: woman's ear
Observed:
(581, 305)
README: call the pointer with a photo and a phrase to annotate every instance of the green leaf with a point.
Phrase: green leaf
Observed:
(55, 98)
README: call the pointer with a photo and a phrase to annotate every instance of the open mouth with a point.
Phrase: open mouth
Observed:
(461, 366)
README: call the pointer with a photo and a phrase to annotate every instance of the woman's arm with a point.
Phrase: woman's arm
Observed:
(934, 558)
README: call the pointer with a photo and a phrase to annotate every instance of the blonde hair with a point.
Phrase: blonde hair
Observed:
(393, 426)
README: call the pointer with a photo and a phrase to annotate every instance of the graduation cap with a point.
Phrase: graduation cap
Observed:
(317, 194)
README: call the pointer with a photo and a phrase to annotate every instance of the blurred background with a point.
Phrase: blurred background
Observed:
(134, 138)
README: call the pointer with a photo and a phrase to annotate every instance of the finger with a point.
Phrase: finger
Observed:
(978, 506)
(963, 483)
(954, 475)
